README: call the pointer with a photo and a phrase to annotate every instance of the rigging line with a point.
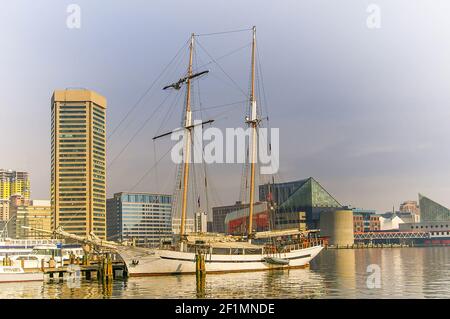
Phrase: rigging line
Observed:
(169, 74)
(198, 86)
(155, 163)
(263, 87)
(146, 92)
(221, 68)
(137, 132)
(150, 169)
(218, 106)
(205, 184)
(223, 32)
(225, 55)
(170, 111)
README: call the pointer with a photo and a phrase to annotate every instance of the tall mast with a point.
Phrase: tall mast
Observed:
(187, 142)
(253, 123)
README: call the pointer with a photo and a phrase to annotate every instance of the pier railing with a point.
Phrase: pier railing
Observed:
(390, 235)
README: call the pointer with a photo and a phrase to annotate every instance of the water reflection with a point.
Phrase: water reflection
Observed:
(405, 273)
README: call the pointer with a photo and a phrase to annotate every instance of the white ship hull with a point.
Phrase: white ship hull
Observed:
(17, 274)
(146, 262)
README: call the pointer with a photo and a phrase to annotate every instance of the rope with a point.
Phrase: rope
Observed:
(223, 32)
(221, 68)
(145, 93)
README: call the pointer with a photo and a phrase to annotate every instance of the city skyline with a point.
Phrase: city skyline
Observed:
(373, 144)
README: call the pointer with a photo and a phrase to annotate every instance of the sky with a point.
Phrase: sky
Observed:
(362, 110)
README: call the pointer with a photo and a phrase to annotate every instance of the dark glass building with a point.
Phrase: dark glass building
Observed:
(432, 211)
(305, 195)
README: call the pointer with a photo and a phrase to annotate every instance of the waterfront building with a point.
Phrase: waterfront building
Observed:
(432, 211)
(289, 220)
(392, 220)
(337, 226)
(78, 157)
(365, 220)
(305, 195)
(426, 227)
(189, 226)
(201, 222)
(142, 218)
(236, 222)
(29, 213)
(221, 212)
(439, 231)
(14, 183)
(411, 206)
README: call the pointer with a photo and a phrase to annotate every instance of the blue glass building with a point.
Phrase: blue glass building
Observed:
(140, 217)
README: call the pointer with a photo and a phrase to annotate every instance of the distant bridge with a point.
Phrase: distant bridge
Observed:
(391, 235)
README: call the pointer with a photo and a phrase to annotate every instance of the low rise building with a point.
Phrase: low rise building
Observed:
(365, 220)
(220, 213)
(36, 214)
(236, 223)
(392, 220)
(411, 206)
(189, 226)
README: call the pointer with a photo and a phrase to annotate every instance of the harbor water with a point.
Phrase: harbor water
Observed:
(335, 273)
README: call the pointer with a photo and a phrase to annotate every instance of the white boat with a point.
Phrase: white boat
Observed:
(13, 247)
(45, 252)
(17, 274)
(145, 262)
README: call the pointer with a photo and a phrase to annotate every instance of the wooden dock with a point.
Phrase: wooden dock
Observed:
(93, 271)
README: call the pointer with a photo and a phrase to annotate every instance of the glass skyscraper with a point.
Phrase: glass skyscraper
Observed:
(143, 218)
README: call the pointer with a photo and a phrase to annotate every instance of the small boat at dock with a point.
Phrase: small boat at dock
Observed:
(18, 274)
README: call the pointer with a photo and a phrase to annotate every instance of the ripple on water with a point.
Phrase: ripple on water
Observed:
(404, 273)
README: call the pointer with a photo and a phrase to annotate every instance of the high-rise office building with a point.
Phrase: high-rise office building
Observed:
(78, 170)
(143, 218)
(14, 183)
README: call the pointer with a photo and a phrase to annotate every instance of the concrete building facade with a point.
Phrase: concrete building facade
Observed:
(189, 226)
(365, 220)
(411, 206)
(36, 214)
(78, 159)
(338, 227)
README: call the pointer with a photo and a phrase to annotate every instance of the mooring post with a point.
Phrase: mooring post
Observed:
(200, 273)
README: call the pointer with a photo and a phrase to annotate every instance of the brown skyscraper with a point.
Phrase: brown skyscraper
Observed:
(78, 172)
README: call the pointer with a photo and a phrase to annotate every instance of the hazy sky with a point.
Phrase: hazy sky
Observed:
(364, 111)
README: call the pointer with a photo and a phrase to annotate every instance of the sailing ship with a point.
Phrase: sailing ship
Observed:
(254, 251)
(221, 254)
